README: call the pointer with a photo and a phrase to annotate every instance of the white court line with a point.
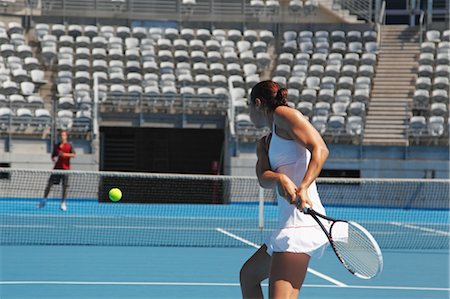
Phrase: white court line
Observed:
(144, 227)
(27, 226)
(245, 241)
(424, 229)
(218, 284)
(122, 216)
(113, 227)
(312, 271)
(116, 227)
(177, 217)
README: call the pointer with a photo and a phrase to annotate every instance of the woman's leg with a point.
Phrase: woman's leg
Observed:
(287, 274)
(255, 270)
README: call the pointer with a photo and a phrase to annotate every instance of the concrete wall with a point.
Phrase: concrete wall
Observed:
(372, 161)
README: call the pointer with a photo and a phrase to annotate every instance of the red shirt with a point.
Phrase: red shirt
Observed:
(62, 162)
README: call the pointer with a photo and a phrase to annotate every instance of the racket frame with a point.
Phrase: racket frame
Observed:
(315, 215)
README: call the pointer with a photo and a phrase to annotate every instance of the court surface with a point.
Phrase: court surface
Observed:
(73, 271)
(169, 272)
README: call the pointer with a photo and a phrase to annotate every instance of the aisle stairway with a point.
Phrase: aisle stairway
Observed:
(393, 87)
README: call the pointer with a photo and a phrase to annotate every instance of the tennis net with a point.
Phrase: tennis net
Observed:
(212, 211)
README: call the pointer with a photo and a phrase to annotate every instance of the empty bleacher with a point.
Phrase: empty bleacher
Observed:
(329, 77)
(169, 71)
(152, 69)
(429, 121)
(22, 109)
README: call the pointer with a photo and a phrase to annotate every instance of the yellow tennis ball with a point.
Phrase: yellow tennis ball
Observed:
(115, 194)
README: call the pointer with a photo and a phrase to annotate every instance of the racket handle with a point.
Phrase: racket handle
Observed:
(306, 209)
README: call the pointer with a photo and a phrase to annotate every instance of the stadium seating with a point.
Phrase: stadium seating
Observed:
(145, 58)
(331, 71)
(169, 70)
(22, 109)
(431, 99)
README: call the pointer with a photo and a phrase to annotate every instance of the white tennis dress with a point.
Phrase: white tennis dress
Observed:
(297, 232)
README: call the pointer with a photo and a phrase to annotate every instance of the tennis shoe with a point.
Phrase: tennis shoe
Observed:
(41, 204)
(63, 207)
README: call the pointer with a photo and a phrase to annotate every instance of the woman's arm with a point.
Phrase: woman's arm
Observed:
(270, 179)
(266, 177)
(300, 129)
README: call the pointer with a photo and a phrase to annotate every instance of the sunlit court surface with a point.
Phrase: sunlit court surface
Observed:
(105, 249)
(168, 272)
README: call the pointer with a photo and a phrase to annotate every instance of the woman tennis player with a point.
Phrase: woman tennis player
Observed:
(289, 159)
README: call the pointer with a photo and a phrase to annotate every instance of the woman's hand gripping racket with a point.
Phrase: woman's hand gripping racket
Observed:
(354, 246)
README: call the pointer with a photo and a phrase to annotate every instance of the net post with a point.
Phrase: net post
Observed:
(231, 112)
(95, 110)
(261, 208)
(95, 143)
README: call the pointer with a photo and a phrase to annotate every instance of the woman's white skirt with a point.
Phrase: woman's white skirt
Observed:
(303, 239)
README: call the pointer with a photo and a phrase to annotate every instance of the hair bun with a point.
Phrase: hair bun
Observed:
(270, 94)
(282, 94)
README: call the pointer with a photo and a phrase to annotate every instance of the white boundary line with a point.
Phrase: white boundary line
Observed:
(218, 284)
(27, 226)
(424, 229)
(245, 241)
(312, 271)
(117, 227)
(121, 217)
(37, 215)
(381, 232)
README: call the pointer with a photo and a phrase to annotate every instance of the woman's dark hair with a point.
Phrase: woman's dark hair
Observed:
(270, 93)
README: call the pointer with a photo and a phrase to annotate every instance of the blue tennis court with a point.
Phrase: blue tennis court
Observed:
(55, 268)
(162, 272)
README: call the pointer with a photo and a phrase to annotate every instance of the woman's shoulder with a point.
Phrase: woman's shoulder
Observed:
(285, 114)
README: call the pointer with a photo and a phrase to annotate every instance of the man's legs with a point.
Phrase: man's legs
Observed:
(42, 203)
(65, 185)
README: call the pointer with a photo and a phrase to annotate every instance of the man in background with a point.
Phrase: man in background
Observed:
(61, 155)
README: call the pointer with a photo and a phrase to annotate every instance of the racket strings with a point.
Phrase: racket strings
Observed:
(359, 254)
(356, 249)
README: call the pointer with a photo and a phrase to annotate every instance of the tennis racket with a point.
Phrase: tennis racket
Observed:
(354, 246)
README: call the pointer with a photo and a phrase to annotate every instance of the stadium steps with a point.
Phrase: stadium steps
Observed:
(393, 87)
(378, 128)
(330, 9)
(397, 131)
(331, 6)
(46, 90)
(267, 73)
